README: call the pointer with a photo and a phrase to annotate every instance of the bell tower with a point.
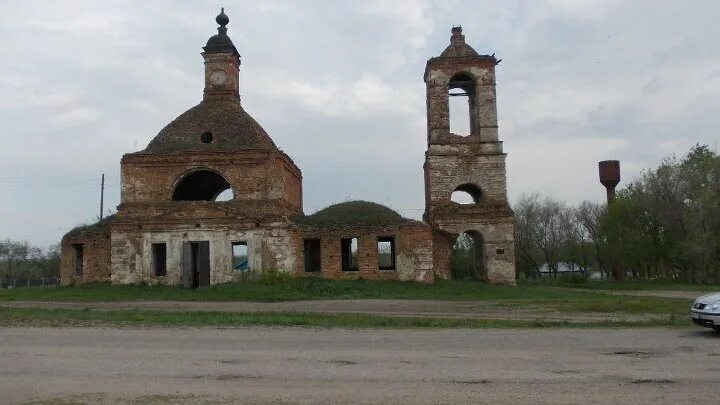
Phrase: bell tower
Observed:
(222, 64)
(472, 164)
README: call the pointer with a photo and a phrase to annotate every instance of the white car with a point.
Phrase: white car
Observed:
(706, 311)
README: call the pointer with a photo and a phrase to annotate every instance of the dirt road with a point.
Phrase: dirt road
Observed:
(293, 365)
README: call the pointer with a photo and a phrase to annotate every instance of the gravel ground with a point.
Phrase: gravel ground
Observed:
(295, 365)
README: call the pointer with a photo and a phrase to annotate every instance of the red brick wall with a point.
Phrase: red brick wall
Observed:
(413, 252)
(96, 257)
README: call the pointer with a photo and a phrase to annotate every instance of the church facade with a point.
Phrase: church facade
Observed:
(173, 228)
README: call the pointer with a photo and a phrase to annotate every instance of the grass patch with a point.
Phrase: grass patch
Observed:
(291, 290)
(534, 297)
(138, 318)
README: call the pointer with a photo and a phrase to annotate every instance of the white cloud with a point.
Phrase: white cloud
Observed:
(366, 97)
(76, 116)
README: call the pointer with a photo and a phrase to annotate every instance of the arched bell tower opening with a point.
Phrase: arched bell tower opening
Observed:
(202, 185)
(461, 104)
(465, 177)
(467, 194)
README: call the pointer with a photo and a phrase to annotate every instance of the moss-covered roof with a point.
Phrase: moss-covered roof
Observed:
(100, 226)
(354, 213)
(213, 125)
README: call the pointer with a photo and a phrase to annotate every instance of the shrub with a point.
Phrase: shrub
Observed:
(275, 276)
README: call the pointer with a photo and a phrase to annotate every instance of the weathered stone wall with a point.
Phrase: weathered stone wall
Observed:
(96, 257)
(413, 252)
(444, 173)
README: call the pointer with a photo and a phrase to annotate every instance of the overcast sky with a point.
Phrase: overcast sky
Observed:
(338, 86)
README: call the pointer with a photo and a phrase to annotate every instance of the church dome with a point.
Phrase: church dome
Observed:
(220, 125)
(354, 213)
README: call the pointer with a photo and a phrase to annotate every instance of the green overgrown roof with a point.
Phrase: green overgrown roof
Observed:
(354, 212)
(99, 226)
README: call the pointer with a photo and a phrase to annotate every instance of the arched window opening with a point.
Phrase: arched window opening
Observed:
(202, 185)
(461, 95)
(468, 257)
(467, 194)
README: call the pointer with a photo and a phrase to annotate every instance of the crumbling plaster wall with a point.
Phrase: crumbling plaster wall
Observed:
(498, 247)
(132, 257)
(444, 173)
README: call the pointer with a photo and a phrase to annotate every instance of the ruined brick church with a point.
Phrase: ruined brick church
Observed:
(171, 228)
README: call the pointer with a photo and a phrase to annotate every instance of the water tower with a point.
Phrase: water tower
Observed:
(609, 177)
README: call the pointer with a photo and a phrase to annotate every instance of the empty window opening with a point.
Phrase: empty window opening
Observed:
(468, 259)
(312, 255)
(159, 252)
(461, 104)
(349, 254)
(79, 258)
(386, 253)
(467, 194)
(202, 185)
(206, 137)
(240, 256)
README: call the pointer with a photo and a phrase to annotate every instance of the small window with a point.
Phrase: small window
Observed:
(206, 137)
(79, 258)
(386, 253)
(159, 251)
(240, 256)
(349, 254)
(312, 255)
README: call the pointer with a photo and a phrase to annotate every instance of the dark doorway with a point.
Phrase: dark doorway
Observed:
(196, 264)
(468, 258)
(312, 255)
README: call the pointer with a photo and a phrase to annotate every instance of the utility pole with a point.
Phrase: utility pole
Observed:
(102, 194)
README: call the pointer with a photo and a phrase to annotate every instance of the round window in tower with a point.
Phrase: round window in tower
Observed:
(206, 137)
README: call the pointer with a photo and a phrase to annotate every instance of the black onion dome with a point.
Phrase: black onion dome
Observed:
(212, 125)
(222, 19)
(221, 42)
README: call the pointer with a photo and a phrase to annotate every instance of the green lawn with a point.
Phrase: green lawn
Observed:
(527, 296)
(308, 289)
(136, 318)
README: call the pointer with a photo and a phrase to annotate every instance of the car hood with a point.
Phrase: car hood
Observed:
(709, 298)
